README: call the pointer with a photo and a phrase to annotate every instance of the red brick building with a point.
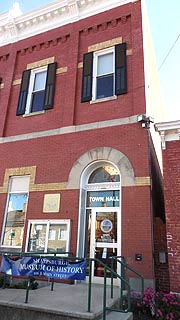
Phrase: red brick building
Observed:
(79, 169)
(170, 136)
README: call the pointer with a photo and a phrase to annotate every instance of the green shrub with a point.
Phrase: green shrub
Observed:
(4, 282)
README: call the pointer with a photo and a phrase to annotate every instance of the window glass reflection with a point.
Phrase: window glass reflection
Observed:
(45, 236)
(106, 173)
(14, 227)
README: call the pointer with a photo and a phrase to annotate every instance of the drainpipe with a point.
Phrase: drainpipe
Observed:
(146, 123)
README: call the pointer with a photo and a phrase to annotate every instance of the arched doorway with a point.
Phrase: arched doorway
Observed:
(100, 214)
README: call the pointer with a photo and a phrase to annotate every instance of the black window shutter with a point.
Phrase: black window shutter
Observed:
(50, 86)
(86, 94)
(23, 93)
(120, 69)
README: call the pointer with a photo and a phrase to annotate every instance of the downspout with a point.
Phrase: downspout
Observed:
(146, 123)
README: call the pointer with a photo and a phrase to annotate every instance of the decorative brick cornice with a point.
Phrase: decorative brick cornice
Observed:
(4, 57)
(44, 45)
(54, 15)
(104, 26)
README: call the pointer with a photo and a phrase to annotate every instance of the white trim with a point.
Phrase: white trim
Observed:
(6, 208)
(103, 99)
(71, 129)
(48, 222)
(51, 16)
(169, 131)
(31, 88)
(116, 245)
(96, 55)
(166, 126)
(101, 186)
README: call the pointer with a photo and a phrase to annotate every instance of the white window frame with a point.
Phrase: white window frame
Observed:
(48, 223)
(31, 85)
(6, 209)
(96, 54)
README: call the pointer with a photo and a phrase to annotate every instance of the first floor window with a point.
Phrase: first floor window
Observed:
(48, 236)
(15, 212)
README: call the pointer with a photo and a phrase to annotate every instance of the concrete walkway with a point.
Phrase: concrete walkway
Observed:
(64, 302)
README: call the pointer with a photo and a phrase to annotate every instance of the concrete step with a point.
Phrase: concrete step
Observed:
(65, 302)
(119, 316)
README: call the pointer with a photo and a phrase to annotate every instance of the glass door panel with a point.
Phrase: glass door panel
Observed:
(105, 239)
(102, 237)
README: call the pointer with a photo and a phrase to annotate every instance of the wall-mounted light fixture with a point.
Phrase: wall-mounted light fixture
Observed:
(145, 121)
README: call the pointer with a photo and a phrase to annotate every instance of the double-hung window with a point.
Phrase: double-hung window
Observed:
(35, 98)
(16, 207)
(37, 90)
(104, 73)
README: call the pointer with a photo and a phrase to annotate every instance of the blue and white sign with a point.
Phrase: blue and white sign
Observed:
(44, 267)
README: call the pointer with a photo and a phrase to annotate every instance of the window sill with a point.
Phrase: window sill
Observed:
(33, 114)
(103, 99)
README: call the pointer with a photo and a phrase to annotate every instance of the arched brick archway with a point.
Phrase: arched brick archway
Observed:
(106, 154)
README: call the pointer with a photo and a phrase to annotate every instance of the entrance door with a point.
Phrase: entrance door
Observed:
(103, 229)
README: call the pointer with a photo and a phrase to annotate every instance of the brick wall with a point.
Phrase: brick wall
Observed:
(54, 156)
(171, 164)
(67, 45)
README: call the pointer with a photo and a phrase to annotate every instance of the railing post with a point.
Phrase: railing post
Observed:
(27, 291)
(4, 281)
(89, 286)
(52, 284)
(104, 298)
(112, 267)
(122, 284)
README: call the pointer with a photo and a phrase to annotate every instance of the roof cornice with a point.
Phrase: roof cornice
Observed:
(169, 131)
(168, 126)
(55, 14)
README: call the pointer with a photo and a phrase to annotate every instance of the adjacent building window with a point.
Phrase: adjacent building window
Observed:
(104, 73)
(15, 212)
(48, 236)
(37, 90)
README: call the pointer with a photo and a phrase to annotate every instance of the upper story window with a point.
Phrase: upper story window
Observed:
(37, 90)
(104, 73)
(35, 98)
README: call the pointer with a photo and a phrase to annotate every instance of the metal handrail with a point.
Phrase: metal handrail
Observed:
(125, 267)
(115, 274)
(124, 282)
(68, 255)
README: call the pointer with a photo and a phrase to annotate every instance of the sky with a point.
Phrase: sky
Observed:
(164, 20)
